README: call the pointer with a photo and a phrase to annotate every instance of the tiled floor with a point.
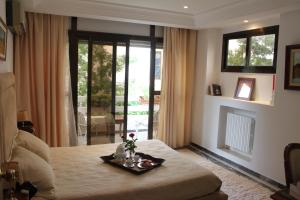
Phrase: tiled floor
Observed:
(236, 185)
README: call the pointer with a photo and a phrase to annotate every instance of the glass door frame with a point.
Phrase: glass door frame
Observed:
(97, 41)
(75, 36)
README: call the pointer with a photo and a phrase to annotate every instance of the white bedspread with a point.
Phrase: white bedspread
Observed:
(81, 174)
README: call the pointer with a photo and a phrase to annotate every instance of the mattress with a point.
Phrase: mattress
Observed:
(81, 174)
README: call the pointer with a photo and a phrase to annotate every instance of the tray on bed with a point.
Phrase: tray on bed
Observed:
(135, 170)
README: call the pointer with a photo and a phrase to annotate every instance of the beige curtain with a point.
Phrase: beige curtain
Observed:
(177, 86)
(39, 60)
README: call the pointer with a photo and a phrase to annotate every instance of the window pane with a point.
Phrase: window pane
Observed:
(262, 50)
(102, 122)
(120, 91)
(156, 115)
(138, 89)
(158, 69)
(236, 52)
(82, 91)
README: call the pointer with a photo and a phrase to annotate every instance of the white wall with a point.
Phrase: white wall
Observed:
(107, 26)
(207, 72)
(276, 126)
(6, 66)
(112, 27)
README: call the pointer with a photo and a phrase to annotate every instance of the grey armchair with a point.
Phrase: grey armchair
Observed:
(292, 163)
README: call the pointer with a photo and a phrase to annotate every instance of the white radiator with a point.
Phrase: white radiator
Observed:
(239, 132)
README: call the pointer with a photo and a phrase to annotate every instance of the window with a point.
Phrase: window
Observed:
(157, 86)
(114, 91)
(252, 51)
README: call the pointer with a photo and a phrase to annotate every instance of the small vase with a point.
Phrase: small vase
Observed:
(131, 154)
(130, 159)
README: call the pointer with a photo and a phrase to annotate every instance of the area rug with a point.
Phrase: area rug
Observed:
(237, 186)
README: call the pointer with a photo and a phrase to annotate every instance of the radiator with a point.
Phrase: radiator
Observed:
(239, 132)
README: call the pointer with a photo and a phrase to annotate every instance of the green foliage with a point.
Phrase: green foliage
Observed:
(133, 103)
(101, 74)
(82, 68)
(236, 57)
(103, 100)
(120, 103)
(130, 143)
(262, 49)
(120, 90)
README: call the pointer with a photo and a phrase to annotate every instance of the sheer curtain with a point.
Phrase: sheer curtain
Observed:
(41, 81)
(177, 86)
(69, 109)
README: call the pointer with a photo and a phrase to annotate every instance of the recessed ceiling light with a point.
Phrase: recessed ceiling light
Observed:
(185, 7)
(246, 21)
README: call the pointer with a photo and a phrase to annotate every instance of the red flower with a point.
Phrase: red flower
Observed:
(131, 135)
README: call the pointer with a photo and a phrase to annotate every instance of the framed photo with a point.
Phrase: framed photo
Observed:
(292, 67)
(3, 40)
(244, 88)
(215, 90)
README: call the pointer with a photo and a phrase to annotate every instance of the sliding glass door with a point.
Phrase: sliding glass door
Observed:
(101, 102)
(101, 91)
(113, 94)
(138, 88)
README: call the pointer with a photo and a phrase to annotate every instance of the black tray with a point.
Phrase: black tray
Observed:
(135, 170)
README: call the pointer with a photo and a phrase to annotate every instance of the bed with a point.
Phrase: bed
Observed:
(81, 174)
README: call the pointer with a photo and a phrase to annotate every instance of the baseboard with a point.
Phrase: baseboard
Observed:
(215, 156)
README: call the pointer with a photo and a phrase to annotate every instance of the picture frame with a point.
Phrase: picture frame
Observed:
(244, 88)
(292, 67)
(3, 40)
(215, 90)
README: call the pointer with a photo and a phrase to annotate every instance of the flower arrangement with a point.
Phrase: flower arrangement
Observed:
(130, 144)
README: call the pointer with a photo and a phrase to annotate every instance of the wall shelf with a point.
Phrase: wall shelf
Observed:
(233, 100)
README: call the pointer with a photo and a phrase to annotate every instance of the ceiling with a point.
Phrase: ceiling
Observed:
(194, 6)
(199, 14)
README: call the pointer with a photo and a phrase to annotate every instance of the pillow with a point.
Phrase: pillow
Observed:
(33, 144)
(36, 170)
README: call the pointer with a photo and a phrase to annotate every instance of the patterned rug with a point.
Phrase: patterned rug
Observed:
(237, 186)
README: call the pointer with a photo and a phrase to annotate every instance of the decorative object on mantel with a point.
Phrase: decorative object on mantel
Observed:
(244, 88)
(292, 67)
(215, 90)
(3, 40)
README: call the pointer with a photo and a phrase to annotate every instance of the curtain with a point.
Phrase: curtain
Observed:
(69, 109)
(40, 60)
(177, 86)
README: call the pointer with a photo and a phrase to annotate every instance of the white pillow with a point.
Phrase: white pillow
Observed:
(33, 144)
(36, 170)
